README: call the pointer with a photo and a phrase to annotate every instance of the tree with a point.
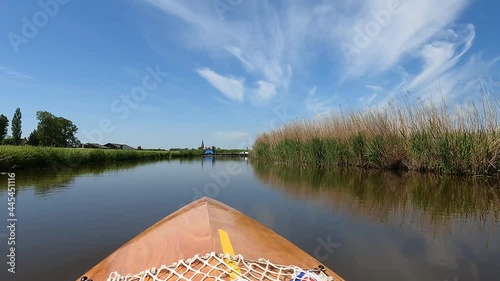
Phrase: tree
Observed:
(4, 125)
(76, 143)
(8, 141)
(33, 139)
(16, 126)
(56, 131)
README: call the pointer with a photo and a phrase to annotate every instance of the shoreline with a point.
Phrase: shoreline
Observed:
(418, 137)
(30, 157)
(362, 154)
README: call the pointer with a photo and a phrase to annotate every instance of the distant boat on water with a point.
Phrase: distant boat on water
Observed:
(208, 152)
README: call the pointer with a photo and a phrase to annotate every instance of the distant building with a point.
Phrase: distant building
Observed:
(94, 145)
(119, 146)
(209, 150)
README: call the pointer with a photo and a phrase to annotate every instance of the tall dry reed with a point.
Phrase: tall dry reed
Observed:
(418, 136)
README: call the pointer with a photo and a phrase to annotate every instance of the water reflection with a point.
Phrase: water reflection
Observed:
(45, 181)
(432, 203)
(387, 226)
(208, 160)
(48, 181)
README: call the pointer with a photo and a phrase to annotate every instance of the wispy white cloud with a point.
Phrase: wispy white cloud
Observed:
(265, 91)
(19, 75)
(368, 99)
(232, 87)
(442, 54)
(178, 9)
(317, 105)
(255, 37)
(382, 36)
(276, 46)
(463, 83)
(374, 88)
(238, 54)
(444, 74)
(14, 74)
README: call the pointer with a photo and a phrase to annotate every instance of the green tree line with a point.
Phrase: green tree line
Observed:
(51, 131)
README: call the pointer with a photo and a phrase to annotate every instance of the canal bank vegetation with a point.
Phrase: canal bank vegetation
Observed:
(410, 136)
(29, 157)
(53, 144)
(51, 131)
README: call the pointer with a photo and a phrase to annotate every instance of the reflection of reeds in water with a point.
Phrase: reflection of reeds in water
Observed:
(428, 203)
(49, 180)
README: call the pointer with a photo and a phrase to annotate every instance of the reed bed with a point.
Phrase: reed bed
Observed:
(59, 158)
(420, 136)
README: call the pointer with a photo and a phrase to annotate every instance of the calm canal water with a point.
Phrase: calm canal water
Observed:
(377, 225)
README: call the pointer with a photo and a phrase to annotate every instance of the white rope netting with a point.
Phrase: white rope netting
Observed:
(224, 267)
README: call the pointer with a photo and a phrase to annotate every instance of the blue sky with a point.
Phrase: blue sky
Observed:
(229, 69)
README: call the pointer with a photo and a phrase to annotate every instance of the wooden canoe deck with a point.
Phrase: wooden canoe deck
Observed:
(194, 229)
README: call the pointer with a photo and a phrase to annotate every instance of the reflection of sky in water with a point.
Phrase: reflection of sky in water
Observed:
(387, 227)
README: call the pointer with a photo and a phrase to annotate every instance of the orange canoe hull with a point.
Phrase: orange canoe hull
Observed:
(196, 229)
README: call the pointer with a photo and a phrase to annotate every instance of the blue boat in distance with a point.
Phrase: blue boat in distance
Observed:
(208, 152)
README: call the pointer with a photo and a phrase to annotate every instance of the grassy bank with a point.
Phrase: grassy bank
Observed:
(423, 137)
(49, 157)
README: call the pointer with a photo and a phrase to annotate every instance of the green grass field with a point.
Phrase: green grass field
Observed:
(27, 157)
